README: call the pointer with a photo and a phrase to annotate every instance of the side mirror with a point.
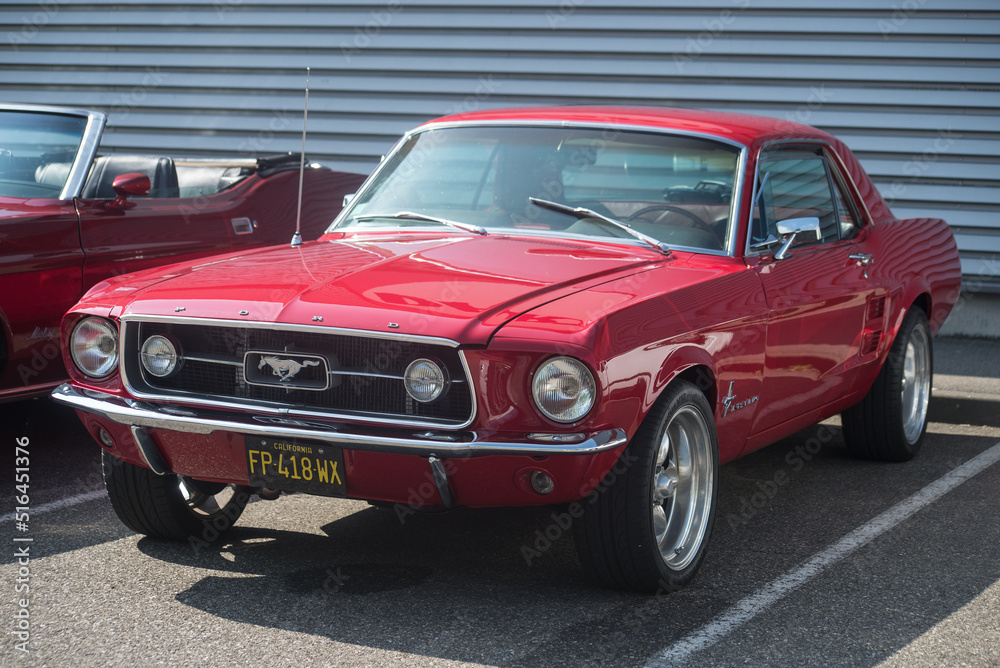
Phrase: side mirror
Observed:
(347, 199)
(136, 185)
(792, 227)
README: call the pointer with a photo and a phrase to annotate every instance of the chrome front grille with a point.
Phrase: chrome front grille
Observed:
(342, 374)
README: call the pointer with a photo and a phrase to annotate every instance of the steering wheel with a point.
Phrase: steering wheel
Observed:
(697, 222)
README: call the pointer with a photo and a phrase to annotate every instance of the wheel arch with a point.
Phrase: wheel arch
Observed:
(921, 300)
(703, 377)
(688, 363)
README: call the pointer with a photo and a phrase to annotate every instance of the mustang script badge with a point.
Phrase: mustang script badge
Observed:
(288, 370)
(727, 401)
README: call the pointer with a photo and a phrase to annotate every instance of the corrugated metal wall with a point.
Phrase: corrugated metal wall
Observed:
(913, 86)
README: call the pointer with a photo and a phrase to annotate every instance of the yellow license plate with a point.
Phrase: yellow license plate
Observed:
(296, 466)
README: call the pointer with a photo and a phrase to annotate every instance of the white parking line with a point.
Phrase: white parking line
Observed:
(774, 591)
(61, 503)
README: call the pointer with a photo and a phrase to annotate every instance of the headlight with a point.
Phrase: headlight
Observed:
(159, 356)
(564, 389)
(425, 380)
(94, 347)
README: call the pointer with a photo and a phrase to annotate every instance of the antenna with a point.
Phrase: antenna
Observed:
(297, 237)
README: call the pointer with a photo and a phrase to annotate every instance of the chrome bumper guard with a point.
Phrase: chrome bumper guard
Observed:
(442, 444)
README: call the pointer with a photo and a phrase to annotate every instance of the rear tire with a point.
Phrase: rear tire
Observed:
(889, 423)
(647, 525)
(172, 506)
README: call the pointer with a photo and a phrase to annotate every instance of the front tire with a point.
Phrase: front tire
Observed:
(647, 526)
(171, 506)
(890, 422)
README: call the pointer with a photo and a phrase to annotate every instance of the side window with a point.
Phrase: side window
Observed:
(850, 222)
(798, 186)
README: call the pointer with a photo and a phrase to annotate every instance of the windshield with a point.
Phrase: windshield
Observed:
(37, 151)
(674, 189)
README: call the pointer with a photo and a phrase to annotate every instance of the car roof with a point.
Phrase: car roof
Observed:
(744, 129)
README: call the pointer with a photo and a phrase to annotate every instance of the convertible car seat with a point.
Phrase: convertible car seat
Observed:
(161, 172)
(52, 174)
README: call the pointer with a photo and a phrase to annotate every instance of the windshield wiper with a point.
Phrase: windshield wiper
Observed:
(581, 213)
(409, 215)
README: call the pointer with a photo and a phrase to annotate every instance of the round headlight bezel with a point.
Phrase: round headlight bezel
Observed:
(174, 356)
(102, 333)
(562, 373)
(438, 377)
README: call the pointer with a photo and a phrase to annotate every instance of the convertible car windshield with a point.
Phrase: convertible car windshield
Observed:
(36, 152)
(672, 188)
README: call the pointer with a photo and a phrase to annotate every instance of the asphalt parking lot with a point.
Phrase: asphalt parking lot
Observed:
(817, 559)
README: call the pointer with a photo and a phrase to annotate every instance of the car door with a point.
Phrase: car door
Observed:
(44, 156)
(40, 261)
(158, 228)
(815, 281)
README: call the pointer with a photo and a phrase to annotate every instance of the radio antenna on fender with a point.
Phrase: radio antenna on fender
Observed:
(297, 237)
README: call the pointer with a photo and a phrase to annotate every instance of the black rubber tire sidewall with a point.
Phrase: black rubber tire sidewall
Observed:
(873, 428)
(153, 505)
(615, 537)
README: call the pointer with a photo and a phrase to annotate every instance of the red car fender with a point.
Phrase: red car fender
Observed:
(698, 366)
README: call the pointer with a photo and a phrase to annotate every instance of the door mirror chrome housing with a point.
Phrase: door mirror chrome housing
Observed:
(792, 227)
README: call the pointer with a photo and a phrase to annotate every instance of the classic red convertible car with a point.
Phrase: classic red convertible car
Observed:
(70, 218)
(583, 306)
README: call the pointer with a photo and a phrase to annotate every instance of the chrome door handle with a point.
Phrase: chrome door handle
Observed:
(863, 259)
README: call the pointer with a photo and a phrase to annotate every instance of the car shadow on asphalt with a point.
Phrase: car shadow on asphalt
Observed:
(459, 585)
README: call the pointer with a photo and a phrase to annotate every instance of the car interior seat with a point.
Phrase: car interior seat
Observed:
(52, 174)
(162, 175)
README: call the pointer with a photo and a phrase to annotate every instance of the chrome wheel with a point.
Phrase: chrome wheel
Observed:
(915, 387)
(682, 487)
(206, 499)
(648, 524)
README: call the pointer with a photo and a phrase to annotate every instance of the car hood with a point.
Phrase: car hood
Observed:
(456, 287)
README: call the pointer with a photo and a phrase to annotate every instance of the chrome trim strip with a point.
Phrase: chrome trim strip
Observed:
(848, 179)
(41, 388)
(331, 372)
(291, 327)
(139, 414)
(735, 199)
(132, 319)
(209, 360)
(552, 123)
(84, 156)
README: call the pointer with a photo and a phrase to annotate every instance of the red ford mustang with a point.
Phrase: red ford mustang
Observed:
(583, 306)
(70, 218)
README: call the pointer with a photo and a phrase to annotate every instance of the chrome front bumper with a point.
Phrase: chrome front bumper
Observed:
(442, 444)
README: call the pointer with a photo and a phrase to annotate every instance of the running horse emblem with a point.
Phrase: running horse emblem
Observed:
(285, 369)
